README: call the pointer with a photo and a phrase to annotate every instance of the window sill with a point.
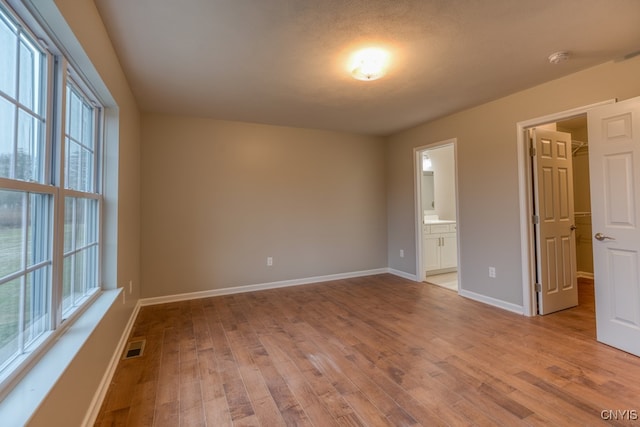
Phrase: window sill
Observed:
(27, 395)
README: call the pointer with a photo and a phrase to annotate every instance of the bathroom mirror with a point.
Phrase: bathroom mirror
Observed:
(428, 193)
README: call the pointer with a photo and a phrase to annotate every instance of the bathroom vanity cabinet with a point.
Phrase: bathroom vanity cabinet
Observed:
(440, 247)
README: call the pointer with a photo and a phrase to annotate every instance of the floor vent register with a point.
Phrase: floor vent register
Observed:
(134, 349)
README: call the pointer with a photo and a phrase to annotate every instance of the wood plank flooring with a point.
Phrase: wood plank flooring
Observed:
(368, 351)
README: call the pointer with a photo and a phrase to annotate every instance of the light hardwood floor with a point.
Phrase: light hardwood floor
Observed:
(369, 351)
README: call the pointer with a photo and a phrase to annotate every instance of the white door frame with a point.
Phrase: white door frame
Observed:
(417, 173)
(527, 242)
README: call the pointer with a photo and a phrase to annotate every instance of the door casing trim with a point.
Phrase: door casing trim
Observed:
(525, 193)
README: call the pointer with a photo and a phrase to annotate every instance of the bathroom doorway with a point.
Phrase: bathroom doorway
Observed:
(437, 234)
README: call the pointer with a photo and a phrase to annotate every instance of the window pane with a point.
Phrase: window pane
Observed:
(74, 115)
(27, 64)
(87, 126)
(92, 220)
(7, 127)
(66, 283)
(81, 224)
(80, 277)
(37, 303)
(85, 272)
(80, 272)
(30, 156)
(8, 65)
(71, 164)
(91, 270)
(81, 219)
(86, 171)
(38, 234)
(25, 236)
(30, 87)
(80, 143)
(9, 320)
(79, 168)
(11, 231)
(69, 203)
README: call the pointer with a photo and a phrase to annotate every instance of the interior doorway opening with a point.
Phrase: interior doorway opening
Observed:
(436, 215)
(525, 179)
(561, 213)
(614, 148)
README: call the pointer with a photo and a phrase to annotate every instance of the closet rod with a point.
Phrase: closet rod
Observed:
(578, 145)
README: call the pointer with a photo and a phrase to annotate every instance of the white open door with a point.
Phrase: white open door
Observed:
(557, 286)
(614, 165)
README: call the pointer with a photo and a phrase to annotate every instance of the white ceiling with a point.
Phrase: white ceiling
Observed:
(284, 62)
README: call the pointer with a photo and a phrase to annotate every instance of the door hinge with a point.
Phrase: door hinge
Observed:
(532, 149)
(535, 219)
(538, 287)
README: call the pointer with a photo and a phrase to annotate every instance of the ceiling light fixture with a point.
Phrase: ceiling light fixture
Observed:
(558, 57)
(369, 64)
(426, 162)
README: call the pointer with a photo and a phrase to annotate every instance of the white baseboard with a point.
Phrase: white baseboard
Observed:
(402, 274)
(258, 287)
(584, 275)
(514, 308)
(101, 392)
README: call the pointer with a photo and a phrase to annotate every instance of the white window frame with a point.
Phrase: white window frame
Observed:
(58, 73)
(69, 78)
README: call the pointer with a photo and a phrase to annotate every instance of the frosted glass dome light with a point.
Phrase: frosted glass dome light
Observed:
(369, 64)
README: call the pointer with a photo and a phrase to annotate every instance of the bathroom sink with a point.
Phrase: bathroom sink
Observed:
(439, 221)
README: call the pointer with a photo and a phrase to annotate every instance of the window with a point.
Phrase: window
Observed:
(81, 201)
(50, 193)
(22, 104)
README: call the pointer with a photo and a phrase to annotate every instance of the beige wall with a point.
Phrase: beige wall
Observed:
(219, 197)
(69, 400)
(489, 219)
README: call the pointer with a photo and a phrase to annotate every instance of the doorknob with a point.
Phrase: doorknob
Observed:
(573, 227)
(601, 237)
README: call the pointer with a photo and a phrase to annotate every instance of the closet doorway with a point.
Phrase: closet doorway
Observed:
(561, 199)
(436, 214)
(561, 208)
(613, 148)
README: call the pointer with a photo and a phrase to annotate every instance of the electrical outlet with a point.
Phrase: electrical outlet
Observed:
(124, 297)
(492, 272)
(269, 261)
(401, 253)
(130, 286)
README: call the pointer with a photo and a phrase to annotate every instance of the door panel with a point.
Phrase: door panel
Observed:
(551, 266)
(614, 164)
(619, 197)
(624, 264)
(553, 165)
(564, 213)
